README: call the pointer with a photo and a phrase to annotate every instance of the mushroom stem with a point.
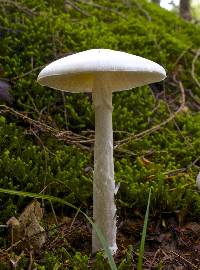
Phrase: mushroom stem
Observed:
(104, 208)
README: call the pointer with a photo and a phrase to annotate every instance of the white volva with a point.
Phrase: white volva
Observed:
(102, 71)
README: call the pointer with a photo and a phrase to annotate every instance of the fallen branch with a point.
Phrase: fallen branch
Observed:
(68, 136)
(159, 126)
(193, 68)
(102, 7)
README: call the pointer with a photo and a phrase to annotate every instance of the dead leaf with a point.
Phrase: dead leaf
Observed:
(33, 209)
(28, 226)
(36, 234)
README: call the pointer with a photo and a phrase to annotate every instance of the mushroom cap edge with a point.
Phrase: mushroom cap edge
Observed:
(119, 71)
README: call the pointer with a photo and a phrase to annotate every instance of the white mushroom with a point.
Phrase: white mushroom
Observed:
(102, 71)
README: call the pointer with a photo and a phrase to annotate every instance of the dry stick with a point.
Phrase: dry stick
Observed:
(157, 127)
(177, 171)
(7, 29)
(24, 117)
(193, 68)
(154, 258)
(27, 73)
(175, 123)
(69, 136)
(33, 103)
(194, 163)
(45, 149)
(77, 8)
(195, 98)
(180, 57)
(102, 7)
(34, 69)
(15, 244)
(19, 6)
(71, 225)
(178, 255)
(79, 139)
(143, 10)
(31, 260)
(54, 214)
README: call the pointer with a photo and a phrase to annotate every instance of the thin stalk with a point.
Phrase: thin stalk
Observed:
(144, 231)
(104, 209)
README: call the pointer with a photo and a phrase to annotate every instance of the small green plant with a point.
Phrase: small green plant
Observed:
(144, 231)
(127, 262)
(80, 261)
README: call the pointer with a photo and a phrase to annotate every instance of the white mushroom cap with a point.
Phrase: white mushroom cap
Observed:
(120, 71)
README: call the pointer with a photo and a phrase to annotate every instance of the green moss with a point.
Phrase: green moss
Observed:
(31, 39)
(27, 166)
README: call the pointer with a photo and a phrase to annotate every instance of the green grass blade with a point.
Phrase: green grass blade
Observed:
(61, 201)
(144, 231)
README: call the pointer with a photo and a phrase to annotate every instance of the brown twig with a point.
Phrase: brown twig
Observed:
(159, 126)
(72, 223)
(184, 259)
(7, 29)
(14, 245)
(31, 260)
(54, 214)
(27, 73)
(193, 68)
(68, 136)
(102, 7)
(154, 259)
(194, 98)
(194, 163)
(37, 68)
(180, 57)
(175, 172)
(143, 10)
(19, 6)
(77, 8)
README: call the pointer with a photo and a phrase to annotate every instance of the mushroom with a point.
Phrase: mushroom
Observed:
(102, 71)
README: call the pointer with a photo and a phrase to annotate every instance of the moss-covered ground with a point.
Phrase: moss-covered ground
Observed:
(46, 137)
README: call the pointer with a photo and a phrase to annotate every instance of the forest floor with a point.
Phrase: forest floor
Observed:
(168, 245)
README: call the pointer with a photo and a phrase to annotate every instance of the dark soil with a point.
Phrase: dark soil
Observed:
(168, 245)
